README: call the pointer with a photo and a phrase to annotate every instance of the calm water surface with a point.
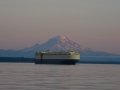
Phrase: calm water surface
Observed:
(25, 76)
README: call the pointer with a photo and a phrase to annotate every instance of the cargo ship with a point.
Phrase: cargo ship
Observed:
(69, 58)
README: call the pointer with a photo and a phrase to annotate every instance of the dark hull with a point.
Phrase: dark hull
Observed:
(56, 61)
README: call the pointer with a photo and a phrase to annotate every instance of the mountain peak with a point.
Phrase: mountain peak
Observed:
(61, 43)
(59, 39)
(57, 43)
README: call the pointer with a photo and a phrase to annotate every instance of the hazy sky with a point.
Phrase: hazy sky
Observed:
(92, 23)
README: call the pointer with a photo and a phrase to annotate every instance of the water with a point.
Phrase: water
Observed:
(28, 76)
(100, 59)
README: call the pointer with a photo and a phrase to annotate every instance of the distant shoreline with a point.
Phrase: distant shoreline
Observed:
(16, 59)
(83, 60)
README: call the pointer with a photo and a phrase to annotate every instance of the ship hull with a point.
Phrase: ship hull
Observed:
(57, 61)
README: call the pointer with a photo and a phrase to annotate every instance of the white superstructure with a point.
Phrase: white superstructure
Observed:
(58, 55)
(49, 57)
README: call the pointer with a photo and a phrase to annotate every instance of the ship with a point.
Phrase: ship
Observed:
(49, 57)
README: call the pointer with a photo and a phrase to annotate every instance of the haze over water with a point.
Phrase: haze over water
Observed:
(92, 23)
(22, 76)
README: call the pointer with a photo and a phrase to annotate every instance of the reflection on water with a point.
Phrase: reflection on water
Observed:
(14, 76)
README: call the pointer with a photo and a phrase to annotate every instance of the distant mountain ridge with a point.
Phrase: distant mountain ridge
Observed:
(57, 43)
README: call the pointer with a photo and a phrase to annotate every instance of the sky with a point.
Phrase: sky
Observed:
(93, 24)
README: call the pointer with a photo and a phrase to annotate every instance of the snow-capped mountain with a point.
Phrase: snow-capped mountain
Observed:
(57, 43)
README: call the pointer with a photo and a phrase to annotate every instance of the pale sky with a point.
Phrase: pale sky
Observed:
(93, 24)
